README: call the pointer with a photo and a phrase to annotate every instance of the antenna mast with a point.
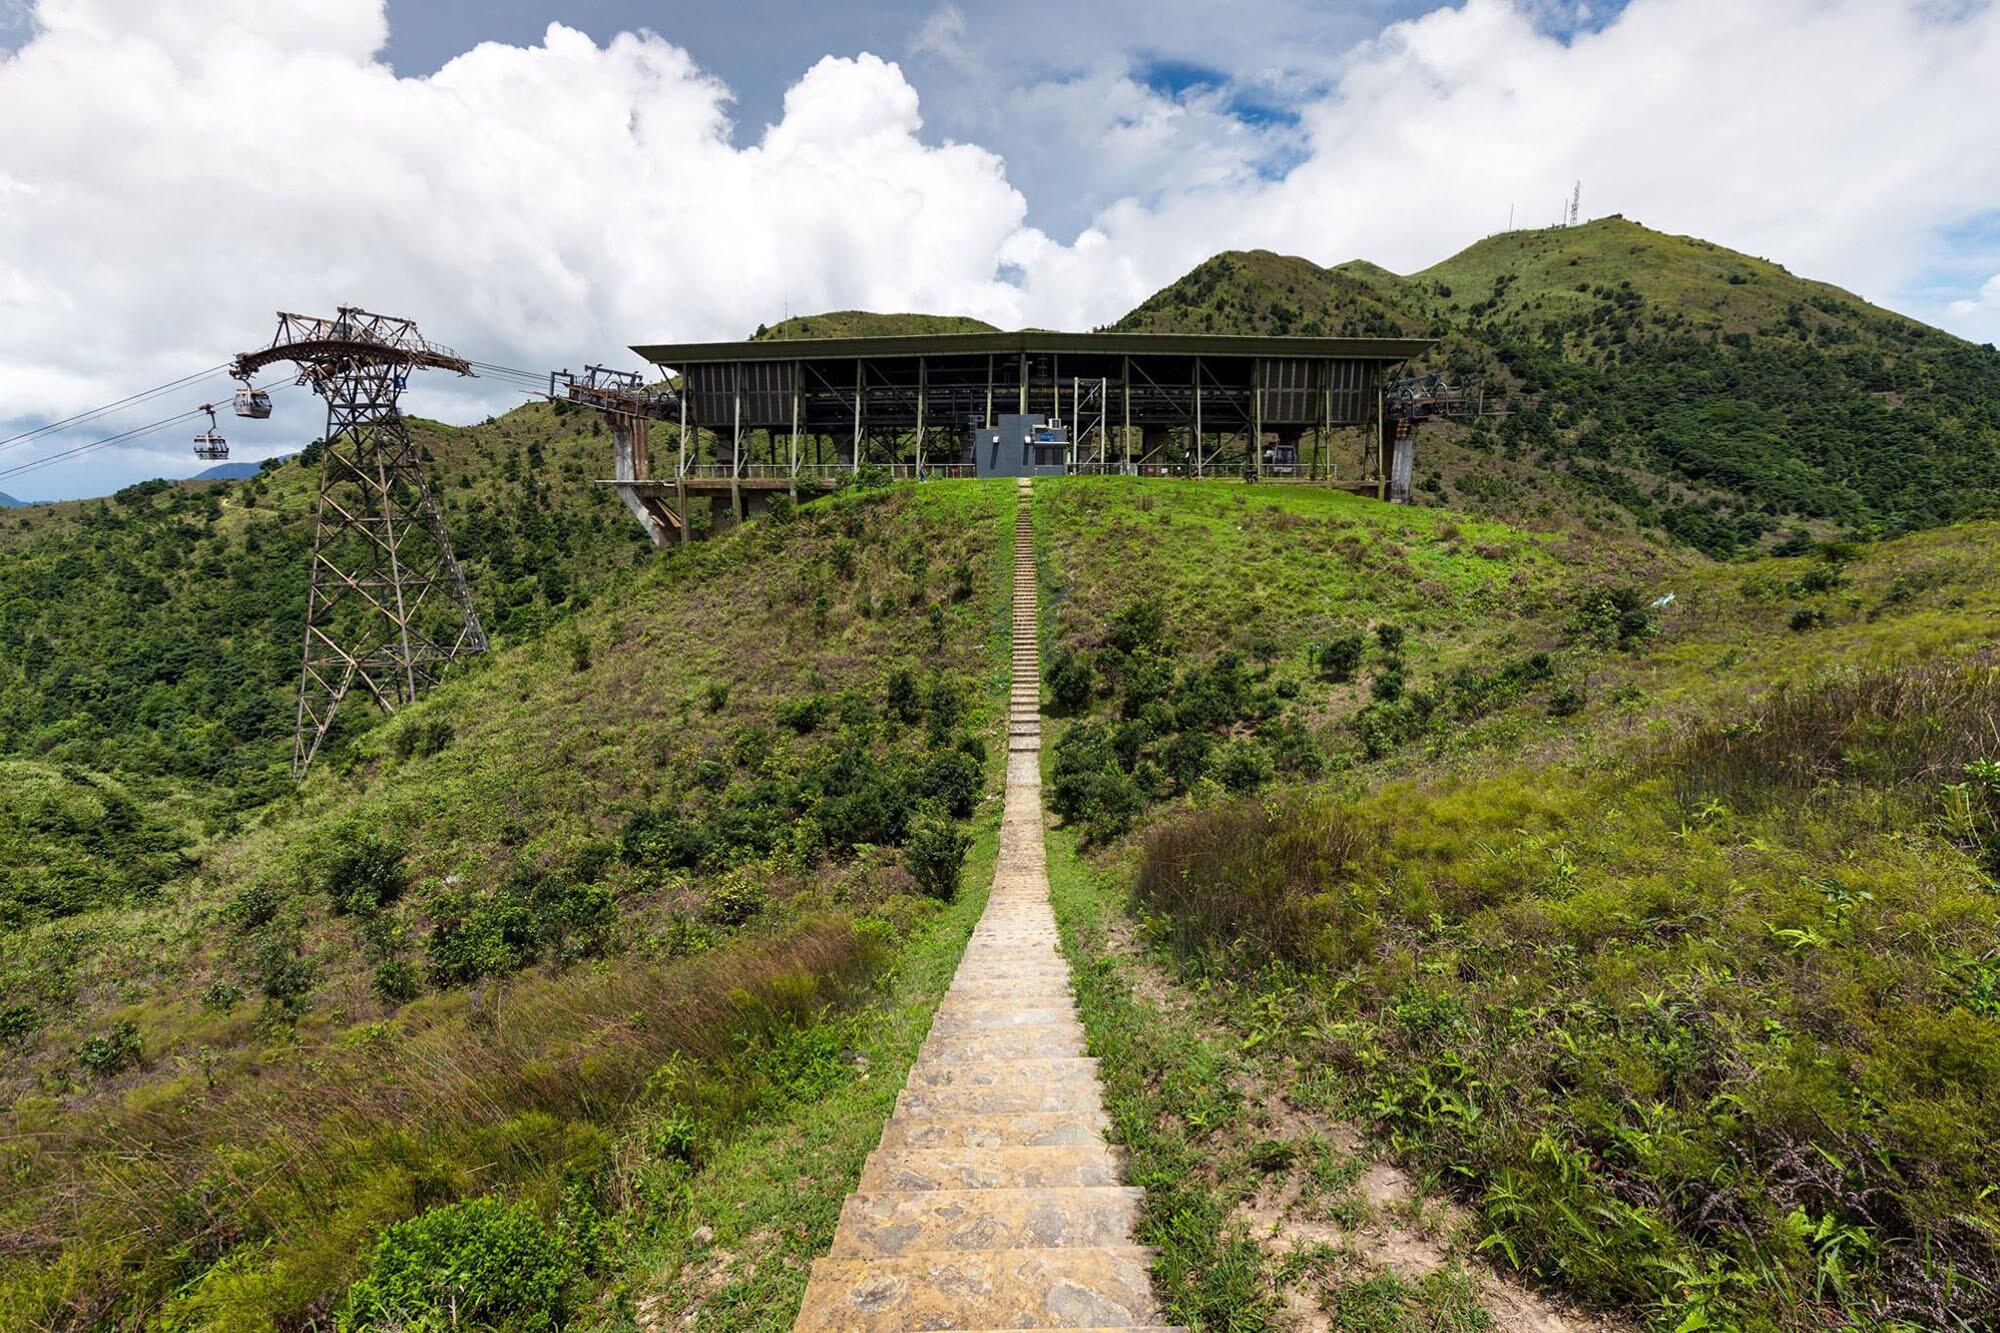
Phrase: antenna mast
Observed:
(1575, 200)
(387, 608)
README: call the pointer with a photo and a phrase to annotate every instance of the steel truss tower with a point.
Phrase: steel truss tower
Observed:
(387, 608)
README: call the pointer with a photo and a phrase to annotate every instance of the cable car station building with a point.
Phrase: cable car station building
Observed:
(763, 417)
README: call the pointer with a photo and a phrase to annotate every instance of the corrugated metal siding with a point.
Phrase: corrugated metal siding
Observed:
(1296, 390)
(766, 386)
(1288, 385)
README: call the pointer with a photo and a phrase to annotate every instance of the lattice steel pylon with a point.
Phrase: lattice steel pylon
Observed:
(387, 608)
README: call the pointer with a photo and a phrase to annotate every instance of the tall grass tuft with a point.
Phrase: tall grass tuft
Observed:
(1915, 730)
(1265, 875)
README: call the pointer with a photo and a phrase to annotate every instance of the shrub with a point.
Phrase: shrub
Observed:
(664, 837)
(1071, 680)
(421, 738)
(1137, 625)
(804, 716)
(255, 907)
(935, 853)
(1088, 787)
(284, 974)
(733, 899)
(475, 935)
(716, 695)
(1185, 757)
(1390, 637)
(18, 1022)
(480, 1263)
(363, 873)
(1340, 656)
(1567, 702)
(947, 707)
(1805, 618)
(117, 1048)
(1617, 616)
(951, 779)
(1386, 686)
(221, 996)
(398, 981)
(1244, 765)
(901, 697)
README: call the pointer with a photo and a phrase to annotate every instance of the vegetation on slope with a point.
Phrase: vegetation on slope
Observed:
(1676, 964)
(577, 917)
(869, 324)
(1664, 381)
(1256, 291)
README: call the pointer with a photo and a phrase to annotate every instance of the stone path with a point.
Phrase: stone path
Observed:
(993, 1201)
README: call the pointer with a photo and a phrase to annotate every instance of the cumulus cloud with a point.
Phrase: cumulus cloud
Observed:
(174, 172)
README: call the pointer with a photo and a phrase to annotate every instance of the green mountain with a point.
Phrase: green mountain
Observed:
(868, 324)
(1654, 382)
(1255, 291)
(9, 502)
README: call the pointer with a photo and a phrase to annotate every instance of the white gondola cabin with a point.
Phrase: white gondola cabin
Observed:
(253, 403)
(210, 444)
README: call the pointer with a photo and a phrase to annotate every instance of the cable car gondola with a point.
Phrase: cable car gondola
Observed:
(209, 444)
(253, 403)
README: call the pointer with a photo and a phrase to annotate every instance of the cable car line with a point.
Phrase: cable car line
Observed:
(95, 412)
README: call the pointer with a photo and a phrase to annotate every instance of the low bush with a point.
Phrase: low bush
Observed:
(935, 853)
(111, 1051)
(1340, 656)
(362, 873)
(1070, 679)
(480, 1263)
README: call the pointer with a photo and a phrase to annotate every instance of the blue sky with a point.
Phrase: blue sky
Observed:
(539, 186)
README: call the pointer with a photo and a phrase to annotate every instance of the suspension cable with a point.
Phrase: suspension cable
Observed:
(96, 412)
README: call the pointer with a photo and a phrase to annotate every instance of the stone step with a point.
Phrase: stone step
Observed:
(1019, 1099)
(1012, 1044)
(1066, 1166)
(943, 1221)
(1028, 1129)
(984, 1015)
(1001, 1073)
(982, 1289)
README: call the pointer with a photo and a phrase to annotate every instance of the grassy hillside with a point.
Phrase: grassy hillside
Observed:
(1653, 382)
(557, 933)
(1643, 916)
(869, 324)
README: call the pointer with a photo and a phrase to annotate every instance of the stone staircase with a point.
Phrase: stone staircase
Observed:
(993, 1201)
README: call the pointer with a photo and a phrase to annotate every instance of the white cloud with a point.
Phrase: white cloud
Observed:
(1979, 315)
(173, 172)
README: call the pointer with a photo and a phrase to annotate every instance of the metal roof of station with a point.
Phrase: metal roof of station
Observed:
(1030, 343)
